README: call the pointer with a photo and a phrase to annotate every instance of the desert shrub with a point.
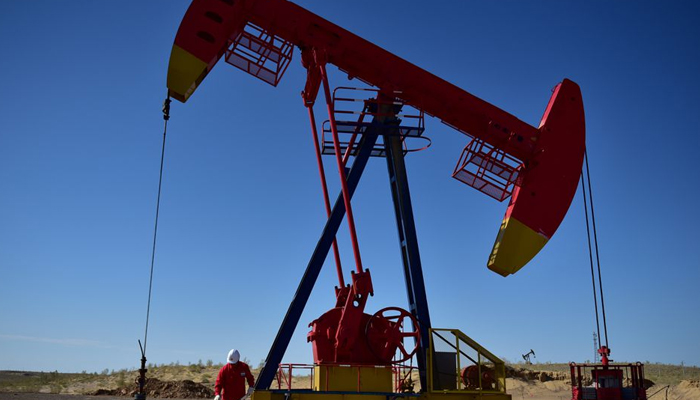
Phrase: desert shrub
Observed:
(196, 368)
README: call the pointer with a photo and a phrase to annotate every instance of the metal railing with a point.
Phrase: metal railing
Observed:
(458, 364)
(301, 377)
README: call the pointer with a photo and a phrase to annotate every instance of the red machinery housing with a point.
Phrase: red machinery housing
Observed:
(376, 339)
(477, 377)
(607, 382)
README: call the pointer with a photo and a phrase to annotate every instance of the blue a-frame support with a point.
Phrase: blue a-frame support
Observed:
(408, 240)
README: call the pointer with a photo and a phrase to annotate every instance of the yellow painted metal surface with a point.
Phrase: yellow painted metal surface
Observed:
(464, 344)
(338, 382)
(185, 72)
(465, 396)
(335, 378)
(263, 395)
(516, 244)
(281, 395)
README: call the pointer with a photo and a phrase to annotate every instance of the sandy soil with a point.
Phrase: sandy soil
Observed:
(552, 390)
(560, 390)
(49, 396)
(519, 389)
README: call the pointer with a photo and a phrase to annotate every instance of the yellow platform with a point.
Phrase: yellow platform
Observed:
(450, 352)
(339, 378)
(311, 395)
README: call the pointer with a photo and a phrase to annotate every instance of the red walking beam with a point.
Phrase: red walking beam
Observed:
(551, 154)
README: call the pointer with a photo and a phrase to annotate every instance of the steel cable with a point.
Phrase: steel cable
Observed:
(588, 199)
(166, 117)
(597, 254)
(590, 253)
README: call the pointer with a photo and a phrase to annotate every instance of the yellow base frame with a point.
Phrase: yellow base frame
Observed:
(346, 382)
(339, 378)
(309, 395)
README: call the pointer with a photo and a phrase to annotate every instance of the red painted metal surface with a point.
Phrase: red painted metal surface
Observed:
(324, 189)
(322, 336)
(260, 54)
(472, 380)
(607, 382)
(338, 335)
(360, 59)
(552, 172)
(285, 376)
(488, 169)
(344, 322)
(320, 64)
(604, 352)
(389, 336)
(349, 329)
(537, 167)
(551, 154)
(387, 332)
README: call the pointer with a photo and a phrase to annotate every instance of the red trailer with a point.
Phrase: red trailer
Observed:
(607, 381)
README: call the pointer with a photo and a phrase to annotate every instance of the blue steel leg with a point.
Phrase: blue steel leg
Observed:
(413, 270)
(291, 319)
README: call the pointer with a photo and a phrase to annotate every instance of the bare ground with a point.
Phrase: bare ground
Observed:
(553, 386)
(49, 396)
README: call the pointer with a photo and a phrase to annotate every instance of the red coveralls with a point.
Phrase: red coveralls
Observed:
(230, 383)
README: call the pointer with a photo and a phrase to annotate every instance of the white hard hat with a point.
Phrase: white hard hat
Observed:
(233, 356)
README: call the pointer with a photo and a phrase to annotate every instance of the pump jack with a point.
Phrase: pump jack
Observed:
(527, 355)
(537, 168)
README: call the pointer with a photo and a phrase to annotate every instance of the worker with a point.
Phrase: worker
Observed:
(230, 383)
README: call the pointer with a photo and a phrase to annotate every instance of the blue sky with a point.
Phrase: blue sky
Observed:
(80, 136)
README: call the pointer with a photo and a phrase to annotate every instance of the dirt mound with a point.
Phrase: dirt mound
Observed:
(685, 390)
(689, 384)
(163, 389)
(541, 376)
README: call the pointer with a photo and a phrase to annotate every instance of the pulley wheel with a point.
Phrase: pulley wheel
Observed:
(386, 331)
